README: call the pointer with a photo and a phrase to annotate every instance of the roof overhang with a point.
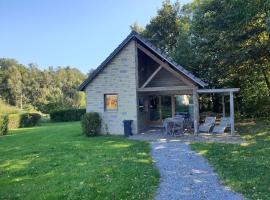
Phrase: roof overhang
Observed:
(225, 90)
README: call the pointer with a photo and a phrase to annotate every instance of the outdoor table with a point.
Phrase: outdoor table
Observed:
(169, 123)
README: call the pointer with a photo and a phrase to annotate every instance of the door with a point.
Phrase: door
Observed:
(166, 107)
(160, 107)
(154, 109)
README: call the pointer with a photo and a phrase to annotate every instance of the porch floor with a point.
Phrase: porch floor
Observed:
(158, 134)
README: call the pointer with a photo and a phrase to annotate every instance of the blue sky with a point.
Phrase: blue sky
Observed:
(78, 33)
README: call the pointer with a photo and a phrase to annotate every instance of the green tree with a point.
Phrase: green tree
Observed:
(163, 29)
(45, 90)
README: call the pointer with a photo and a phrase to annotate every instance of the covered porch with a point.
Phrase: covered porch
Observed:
(165, 90)
(155, 106)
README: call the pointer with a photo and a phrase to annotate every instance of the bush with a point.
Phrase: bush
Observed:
(67, 115)
(14, 120)
(29, 119)
(4, 125)
(23, 120)
(91, 123)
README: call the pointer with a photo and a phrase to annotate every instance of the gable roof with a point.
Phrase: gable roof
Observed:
(135, 35)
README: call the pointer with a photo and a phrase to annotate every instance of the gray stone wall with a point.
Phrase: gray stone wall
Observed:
(119, 77)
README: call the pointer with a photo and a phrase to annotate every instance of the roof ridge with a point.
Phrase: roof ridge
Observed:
(144, 40)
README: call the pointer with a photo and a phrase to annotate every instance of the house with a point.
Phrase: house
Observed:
(138, 82)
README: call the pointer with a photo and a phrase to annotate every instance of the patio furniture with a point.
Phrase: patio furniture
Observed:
(178, 126)
(224, 123)
(173, 126)
(209, 122)
(188, 125)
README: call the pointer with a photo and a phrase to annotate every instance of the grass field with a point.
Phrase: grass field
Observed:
(245, 167)
(55, 161)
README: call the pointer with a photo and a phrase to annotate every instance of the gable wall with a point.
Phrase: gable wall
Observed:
(119, 76)
(165, 78)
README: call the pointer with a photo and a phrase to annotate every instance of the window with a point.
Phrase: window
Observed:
(184, 105)
(110, 101)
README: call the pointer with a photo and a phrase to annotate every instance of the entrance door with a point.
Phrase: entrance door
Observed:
(160, 107)
(154, 109)
(166, 107)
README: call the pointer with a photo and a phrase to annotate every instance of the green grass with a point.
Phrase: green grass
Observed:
(245, 167)
(55, 161)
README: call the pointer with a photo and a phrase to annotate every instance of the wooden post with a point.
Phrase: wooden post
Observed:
(223, 106)
(160, 108)
(173, 105)
(195, 110)
(231, 112)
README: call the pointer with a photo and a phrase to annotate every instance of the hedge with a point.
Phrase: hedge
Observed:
(3, 125)
(14, 120)
(18, 120)
(67, 115)
(29, 119)
(91, 124)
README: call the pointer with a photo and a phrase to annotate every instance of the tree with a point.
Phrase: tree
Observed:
(163, 29)
(225, 43)
(45, 90)
(136, 27)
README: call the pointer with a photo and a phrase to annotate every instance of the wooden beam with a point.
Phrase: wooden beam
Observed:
(152, 76)
(173, 105)
(223, 106)
(160, 108)
(225, 90)
(137, 85)
(164, 64)
(232, 113)
(170, 88)
(195, 111)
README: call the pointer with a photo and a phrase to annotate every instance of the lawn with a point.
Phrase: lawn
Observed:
(245, 167)
(55, 161)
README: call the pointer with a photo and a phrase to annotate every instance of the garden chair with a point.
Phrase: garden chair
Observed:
(209, 122)
(178, 126)
(224, 123)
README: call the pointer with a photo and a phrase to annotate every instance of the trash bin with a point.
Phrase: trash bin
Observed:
(127, 127)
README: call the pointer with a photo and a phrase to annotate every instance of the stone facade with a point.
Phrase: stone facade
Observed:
(119, 77)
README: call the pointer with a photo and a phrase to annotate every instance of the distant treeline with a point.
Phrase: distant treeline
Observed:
(45, 90)
(226, 43)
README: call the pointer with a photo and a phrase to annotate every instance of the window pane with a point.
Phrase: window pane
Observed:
(184, 105)
(111, 102)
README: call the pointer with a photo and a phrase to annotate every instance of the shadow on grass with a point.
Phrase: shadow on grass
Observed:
(57, 161)
(244, 167)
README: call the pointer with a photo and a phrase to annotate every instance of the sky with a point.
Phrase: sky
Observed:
(77, 33)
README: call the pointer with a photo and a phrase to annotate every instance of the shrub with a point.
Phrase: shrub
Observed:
(4, 125)
(35, 118)
(91, 123)
(14, 120)
(67, 115)
(29, 119)
(23, 120)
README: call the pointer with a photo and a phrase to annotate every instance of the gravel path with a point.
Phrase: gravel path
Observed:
(186, 175)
